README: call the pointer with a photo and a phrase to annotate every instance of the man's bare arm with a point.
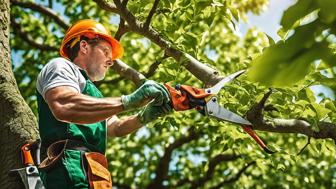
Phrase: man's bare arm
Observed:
(120, 127)
(70, 106)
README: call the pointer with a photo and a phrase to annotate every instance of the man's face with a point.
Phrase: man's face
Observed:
(99, 60)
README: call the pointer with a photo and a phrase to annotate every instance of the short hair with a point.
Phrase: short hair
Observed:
(72, 52)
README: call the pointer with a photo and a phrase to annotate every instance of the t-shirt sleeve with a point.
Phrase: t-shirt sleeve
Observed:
(56, 73)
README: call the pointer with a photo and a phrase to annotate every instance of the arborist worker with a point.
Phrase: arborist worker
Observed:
(75, 119)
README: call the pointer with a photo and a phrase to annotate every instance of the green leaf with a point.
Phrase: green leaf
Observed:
(327, 12)
(234, 13)
(282, 33)
(320, 111)
(270, 39)
(287, 62)
(310, 95)
(281, 167)
(295, 12)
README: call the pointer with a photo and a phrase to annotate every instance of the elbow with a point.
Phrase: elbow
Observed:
(62, 114)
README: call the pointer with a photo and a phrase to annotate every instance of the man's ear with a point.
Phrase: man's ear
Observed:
(83, 47)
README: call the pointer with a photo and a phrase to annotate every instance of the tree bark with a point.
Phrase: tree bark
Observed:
(17, 122)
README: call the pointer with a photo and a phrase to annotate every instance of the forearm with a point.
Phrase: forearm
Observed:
(83, 109)
(121, 127)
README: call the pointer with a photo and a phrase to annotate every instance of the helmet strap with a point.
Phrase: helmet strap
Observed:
(73, 43)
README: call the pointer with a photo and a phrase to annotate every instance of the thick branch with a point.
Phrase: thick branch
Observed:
(255, 116)
(44, 10)
(203, 72)
(26, 37)
(127, 72)
(161, 172)
(148, 74)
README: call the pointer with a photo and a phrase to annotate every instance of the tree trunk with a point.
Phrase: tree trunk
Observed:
(17, 122)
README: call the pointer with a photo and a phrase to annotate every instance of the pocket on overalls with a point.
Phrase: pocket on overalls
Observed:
(73, 163)
(98, 174)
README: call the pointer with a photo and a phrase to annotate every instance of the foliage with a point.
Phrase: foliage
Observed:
(312, 24)
(205, 29)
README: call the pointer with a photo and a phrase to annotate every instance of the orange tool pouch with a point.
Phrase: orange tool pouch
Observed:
(98, 174)
(186, 97)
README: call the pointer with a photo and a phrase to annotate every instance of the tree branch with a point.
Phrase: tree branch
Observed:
(127, 72)
(161, 172)
(44, 10)
(106, 5)
(214, 162)
(153, 67)
(235, 177)
(124, 3)
(255, 116)
(308, 142)
(122, 29)
(203, 72)
(27, 38)
(151, 14)
(149, 73)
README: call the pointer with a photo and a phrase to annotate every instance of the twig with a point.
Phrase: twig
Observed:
(235, 177)
(214, 162)
(122, 29)
(255, 114)
(151, 14)
(44, 10)
(153, 67)
(308, 142)
(106, 5)
(27, 38)
(124, 3)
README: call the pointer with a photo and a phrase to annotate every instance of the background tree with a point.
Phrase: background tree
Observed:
(183, 150)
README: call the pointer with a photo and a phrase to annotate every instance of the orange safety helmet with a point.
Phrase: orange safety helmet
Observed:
(91, 29)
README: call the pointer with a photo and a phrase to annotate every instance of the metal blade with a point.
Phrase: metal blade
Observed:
(216, 88)
(33, 178)
(213, 109)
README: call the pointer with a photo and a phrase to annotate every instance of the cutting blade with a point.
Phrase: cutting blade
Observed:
(213, 109)
(216, 88)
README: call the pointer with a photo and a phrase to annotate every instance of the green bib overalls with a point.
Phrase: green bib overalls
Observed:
(68, 173)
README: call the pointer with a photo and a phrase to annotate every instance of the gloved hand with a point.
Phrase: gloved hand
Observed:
(151, 112)
(145, 93)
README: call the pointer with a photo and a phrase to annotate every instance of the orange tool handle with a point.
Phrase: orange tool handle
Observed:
(254, 135)
(26, 155)
(185, 97)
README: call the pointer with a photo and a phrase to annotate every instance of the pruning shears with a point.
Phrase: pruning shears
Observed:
(29, 173)
(186, 97)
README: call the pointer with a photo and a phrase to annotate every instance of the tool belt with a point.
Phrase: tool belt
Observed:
(96, 168)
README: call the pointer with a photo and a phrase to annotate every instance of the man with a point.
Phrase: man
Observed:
(74, 119)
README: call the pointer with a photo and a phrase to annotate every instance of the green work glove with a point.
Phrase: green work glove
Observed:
(144, 94)
(151, 112)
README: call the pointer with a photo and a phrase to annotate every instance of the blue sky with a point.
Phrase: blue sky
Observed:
(269, 20)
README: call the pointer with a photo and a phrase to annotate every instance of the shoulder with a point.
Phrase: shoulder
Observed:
(59, 72)
(57, 64)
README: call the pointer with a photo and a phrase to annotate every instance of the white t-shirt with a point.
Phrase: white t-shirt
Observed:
(60, 72)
